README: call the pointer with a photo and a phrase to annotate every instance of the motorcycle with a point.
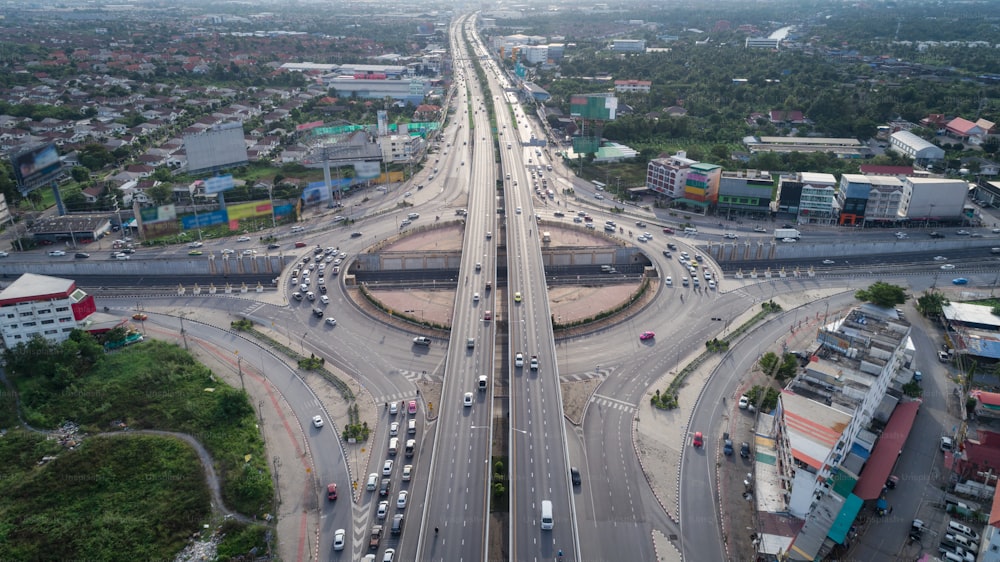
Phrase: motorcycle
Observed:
(437, 217)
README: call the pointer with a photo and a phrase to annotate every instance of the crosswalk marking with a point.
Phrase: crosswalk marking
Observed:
(612, 403)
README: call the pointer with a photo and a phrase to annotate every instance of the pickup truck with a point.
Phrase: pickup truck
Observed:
(376, 537)
(534, 363)
(421, 340)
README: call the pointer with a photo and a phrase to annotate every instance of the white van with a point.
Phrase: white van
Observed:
(298, 228)
(547, 523)
(690, 230)
(372, 482)
(958, 528)
(393, 445)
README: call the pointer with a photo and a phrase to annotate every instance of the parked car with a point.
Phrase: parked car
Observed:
(745, 450)
(744, 402)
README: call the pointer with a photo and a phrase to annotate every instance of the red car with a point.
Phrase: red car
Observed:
(668, 230)
(331, 492)
(412, 408)
(647, 336)
(487, 315)
(300, 244)
(698, 441)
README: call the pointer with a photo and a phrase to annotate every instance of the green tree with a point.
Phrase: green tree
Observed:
(930, 303)
(882, 294)
(80, 174)
(161, 193)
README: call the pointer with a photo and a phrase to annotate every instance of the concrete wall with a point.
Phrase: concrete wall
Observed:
(799, 250)
(194, 265)
(595, 255)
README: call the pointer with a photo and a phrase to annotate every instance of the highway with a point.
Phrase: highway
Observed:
(612, 514)
(539, 456)
(455, 515)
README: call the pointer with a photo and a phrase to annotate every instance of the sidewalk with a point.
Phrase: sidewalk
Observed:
(661, 435)
(290, 460)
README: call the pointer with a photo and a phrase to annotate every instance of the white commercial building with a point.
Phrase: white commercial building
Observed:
(535, 54)
(818, 202)
(400, 148)
(49, 307)
(629, 45)
(933, 198)
(915, 147)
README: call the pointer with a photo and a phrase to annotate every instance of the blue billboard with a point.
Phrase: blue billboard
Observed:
(205, 219)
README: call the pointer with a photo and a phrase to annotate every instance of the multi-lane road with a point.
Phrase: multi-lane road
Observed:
(611, 515)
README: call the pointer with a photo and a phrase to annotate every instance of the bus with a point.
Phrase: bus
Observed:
(600, 186)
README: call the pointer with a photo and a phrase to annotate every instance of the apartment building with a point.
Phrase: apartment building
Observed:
(667, 176)
(50, 307)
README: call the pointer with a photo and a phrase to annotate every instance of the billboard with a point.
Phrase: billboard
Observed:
(599, 107)
(36, 166)
(314, 193)
(248, 210)
(218, 184)
(204, 219)
(586, 145)
(215, 149)
(383, 122)
(152, 215)
(308, 126)
(367, 170)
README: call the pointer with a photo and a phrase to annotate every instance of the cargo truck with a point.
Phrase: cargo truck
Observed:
(782, 233)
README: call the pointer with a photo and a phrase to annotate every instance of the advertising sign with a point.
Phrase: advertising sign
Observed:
(218, 183)
(383, 122)
(204, 219)
(36, 166)
(314, 193)
(152, 215)
(366, 170)
(308, 126)
(249, 210)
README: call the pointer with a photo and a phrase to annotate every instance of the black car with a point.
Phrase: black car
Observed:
(318, 312)
(727, 444)
(355, 235)
(574, 475)
(745, 450)
(666, 253)
(322, 289)
(672, 246)
(273, 246)
(81, 255)
(936, 234)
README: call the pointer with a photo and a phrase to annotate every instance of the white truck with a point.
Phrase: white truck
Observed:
(782, 233)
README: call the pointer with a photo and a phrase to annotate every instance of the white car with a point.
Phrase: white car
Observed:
(393, 429)
(383, 510)
(475, 297)
(789, 240)
(744, 402)
(670, 281)
(228, 251)
(318, 421)
(517, 210)
(331, 321)
(401, 500)
(940, 258)
(249, 252)
(828, 262)
(407, 472)
(56, 253)
(393, 408)
(948, 266)
(387, 468)
(339, 537)
(519, 360)
(243, 239)
(467, 399)
(3, 254)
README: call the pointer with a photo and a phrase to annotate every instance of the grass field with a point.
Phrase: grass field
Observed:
(123, 498)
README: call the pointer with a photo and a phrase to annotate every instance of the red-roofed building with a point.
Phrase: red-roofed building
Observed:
(963, 129)
(793, 117)
(980, 453)
(934, 121)
(40, 305)
(891, 171)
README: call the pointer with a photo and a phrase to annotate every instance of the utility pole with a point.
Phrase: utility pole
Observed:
(183, 333)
